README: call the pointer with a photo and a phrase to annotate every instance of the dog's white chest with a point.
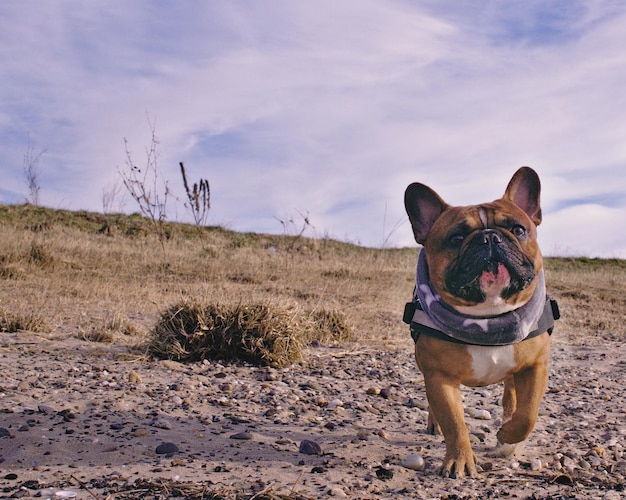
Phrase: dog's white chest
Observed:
(492, 364)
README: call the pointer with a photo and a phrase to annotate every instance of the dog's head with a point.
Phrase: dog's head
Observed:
(484, 259)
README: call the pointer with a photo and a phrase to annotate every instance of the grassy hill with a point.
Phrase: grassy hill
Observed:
(109, 278)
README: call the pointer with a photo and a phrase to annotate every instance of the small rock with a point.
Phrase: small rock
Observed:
(335, 403)
(166, 449)
(363, 434)
(309, 447)
(384, 473)
(311, 384)
(385, 393)
(414, 461)
(140, 432)
(382, 434)
(373, 391)
(65, 494)
(535, 464)
(4, 432)
(242, 436)
(116, 426)
(482, 415)
(226, 387)
(336, 491)
(162, 424)
(134, 377)
(46, 410)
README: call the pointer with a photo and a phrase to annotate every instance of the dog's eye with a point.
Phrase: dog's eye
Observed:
(519, 231)
(456, 239)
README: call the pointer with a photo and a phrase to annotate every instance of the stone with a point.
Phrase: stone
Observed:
(308, 447)
(482, 415)
(415, 461)
(242, 436)
(167, 449)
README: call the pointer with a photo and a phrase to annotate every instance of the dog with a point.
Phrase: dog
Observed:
(480, 314)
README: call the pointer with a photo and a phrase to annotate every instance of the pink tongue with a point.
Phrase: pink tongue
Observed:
(501, 277)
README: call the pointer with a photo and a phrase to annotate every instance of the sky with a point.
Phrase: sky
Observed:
(321, 111)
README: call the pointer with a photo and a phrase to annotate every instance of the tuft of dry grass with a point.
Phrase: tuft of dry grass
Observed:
(330, 326)
(14, 322)
(110, 330)
(264, 334)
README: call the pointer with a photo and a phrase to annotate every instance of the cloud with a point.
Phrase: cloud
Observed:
(589, 230)
(324, 108)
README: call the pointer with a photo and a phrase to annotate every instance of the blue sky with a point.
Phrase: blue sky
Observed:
(324, 108)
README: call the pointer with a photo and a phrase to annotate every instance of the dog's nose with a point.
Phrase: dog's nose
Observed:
(491, 237)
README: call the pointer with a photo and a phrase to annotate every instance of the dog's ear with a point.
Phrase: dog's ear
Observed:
(524, 190)
(423, 206)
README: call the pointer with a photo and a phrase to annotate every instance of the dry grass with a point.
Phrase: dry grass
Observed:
(260, 333)
(107, 275)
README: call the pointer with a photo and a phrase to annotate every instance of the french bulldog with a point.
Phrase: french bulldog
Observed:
(480, 313)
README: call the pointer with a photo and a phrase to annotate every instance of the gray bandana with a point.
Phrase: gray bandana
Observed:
(505, 329)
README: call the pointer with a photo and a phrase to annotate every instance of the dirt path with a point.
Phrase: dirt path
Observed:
(91, 418)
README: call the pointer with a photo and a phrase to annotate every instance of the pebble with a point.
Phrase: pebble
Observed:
(46, 410)
(384, 473)
(134, 377)
(385, 392)
(162, 424)
(535, 464)
(336, 491)
(363, 434)
(482, 415)
(166, 449)
(414, 461)
(308, 447)
(242, 436)
(335, 403)
(4, 432)
(65, 494)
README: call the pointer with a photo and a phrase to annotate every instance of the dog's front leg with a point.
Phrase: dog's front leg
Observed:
(530, 386)
(446, 406)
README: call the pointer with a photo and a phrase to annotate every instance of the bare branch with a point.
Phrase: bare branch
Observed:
(32, 172)
(198, 199)
(146, 186)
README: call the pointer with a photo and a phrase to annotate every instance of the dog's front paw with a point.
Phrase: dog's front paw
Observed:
(459, 465)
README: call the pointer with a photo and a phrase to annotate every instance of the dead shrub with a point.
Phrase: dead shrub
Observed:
(13, 322)
(330, 326)
(263, 334)
(99, 334)
(112, 325)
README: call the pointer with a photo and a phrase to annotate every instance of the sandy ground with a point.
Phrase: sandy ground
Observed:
(93, 419)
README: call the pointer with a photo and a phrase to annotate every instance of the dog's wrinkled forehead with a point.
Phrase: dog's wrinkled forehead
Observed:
(495, 215)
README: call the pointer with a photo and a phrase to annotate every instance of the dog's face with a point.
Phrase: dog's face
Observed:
(482, 259)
